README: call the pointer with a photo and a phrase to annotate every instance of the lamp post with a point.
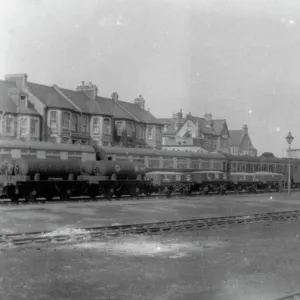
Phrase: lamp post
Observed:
(289, 140)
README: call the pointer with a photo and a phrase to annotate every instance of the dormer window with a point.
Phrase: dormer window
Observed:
(22, 101)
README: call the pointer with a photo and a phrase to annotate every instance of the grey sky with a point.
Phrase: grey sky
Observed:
(237, 59)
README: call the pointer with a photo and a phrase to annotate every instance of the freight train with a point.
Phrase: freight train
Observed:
(32, 170)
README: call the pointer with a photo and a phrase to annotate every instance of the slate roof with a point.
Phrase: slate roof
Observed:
(218, 125)
(236, 137)
(116, 110)
(8, 104)
(172, 122)
(142, 115)
(49, 96)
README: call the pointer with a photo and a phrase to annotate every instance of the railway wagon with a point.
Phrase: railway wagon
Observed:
(40, 169)
(209, 181)
(168, 182)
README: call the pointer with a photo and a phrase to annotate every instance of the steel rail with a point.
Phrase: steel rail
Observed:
(92, 233)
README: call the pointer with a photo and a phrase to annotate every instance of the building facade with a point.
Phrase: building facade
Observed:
(31, 111)
(240, 142)
(194, 132)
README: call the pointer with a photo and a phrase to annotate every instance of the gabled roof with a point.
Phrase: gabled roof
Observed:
(86, 104)
(218, 125)
(204, 126)
(49, 96)
(172, 123)
(236, 137)
(116, 110)
(142, 115)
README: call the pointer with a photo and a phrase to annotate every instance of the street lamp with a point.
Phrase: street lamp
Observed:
(289, 140)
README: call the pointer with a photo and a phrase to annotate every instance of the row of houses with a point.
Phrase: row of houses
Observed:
(50, 113)
(32, 111)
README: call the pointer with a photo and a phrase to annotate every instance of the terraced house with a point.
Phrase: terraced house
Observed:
(32, 111)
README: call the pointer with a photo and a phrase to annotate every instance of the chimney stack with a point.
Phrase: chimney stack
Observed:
(208, 117)
(115, 96)
(245, 129)
(19, 79)
(90, 90)
(140, 101)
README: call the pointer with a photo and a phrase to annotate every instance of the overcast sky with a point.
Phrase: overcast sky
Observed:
(238, 59)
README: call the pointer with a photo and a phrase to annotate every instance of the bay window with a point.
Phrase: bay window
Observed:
(106, 126)
(96, 125)
(53, 119)
(75, 122)
(34, 123)
(8, 125)
(150, 132)
(129, 129)
(119, 128)
(24, 126)
(84, 122)
(66, 120)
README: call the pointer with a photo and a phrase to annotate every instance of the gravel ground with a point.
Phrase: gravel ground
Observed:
(246, 262)
(28, 218)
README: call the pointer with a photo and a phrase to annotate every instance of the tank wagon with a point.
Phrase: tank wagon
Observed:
(40, 169)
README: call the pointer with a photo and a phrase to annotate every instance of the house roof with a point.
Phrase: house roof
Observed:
(8, 104)
(49, 96)
(116, 110)
(218, 125)
(236, 137)
(142, 115)
(86, 104)
(172, 130)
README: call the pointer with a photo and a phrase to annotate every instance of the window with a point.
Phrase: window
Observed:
(158, 134)
(129, 129)
(119, 128)
(8, 127)
(96, 125)
(189, 125)
(150, 133)
(139, 132)
(34, 126)
(75, 122)
(66, 120)
(84, 124)
(106, 126)
(166, 127)
(53, 119)
(24, 126)
(23, 101)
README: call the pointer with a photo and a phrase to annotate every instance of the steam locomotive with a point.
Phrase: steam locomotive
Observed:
(32, 170)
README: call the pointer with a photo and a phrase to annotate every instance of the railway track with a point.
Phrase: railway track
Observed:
(93, 233)
(7, 202)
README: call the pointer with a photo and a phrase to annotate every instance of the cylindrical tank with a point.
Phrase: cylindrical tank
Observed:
(6, 164)
(50, 167)
(120, 168)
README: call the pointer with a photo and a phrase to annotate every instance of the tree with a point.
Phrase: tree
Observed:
(268, 155)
